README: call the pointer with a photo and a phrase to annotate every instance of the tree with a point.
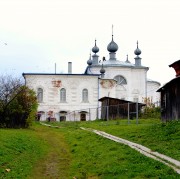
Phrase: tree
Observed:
(150, 110)
(18, 103)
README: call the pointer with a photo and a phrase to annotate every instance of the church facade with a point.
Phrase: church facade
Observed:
(76, 96)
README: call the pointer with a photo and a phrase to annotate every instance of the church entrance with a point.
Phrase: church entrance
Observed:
(62, 116)
(83, 117)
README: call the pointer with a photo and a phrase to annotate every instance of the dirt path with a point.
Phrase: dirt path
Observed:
(175, 164)
(56, 162)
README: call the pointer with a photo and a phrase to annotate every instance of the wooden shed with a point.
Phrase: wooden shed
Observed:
(113, 108)
(170, 96)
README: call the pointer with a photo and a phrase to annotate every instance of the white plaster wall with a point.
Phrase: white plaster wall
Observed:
(74, 84)
(136, 81)
(138, 84)
(107, 88)
(152, 87)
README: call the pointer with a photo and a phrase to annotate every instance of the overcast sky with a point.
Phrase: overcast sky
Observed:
(36, 34)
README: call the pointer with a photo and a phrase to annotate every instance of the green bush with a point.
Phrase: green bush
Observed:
(151, 113)
(20, 110)
(150, 110)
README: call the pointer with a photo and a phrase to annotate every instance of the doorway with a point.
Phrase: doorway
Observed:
(62, 115)
(83, 117)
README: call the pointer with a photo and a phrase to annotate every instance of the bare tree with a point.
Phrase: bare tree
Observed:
(9, 86)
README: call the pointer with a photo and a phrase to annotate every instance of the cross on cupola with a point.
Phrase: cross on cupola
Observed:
(95, 57)
(102, 70)
(112, 48)
(137, 52)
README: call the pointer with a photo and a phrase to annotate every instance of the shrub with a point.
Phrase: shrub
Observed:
(150, 110)
(23, 108)
(18, 104)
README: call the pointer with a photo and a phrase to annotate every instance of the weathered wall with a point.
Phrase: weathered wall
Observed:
(74, 84)
(170, 100)
(136, 81)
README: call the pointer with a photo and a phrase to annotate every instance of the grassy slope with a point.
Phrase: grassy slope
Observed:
(19, 150)
(96, 157)
(72, 152)
(55, 163)
(39, 152)
(164, 138)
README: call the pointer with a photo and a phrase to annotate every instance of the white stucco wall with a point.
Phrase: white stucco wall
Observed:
(137, 88)
(74, 84)
(152, 87)
(136, 81)
(107, 87)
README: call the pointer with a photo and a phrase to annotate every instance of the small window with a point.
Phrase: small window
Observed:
(40, 95)
(85, 95)
(63, 95)
(120, 80)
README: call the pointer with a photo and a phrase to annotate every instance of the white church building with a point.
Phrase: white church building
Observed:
(73, 97)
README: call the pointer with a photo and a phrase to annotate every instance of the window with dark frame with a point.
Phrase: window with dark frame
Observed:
(63, 95)
(85, 95)
(40, 95)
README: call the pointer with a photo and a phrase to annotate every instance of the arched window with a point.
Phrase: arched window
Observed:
(85, 95)
(120, 80)
(63, 95)
(40, 95)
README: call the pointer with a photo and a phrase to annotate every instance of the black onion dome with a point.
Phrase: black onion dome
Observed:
(89, 62)
(137, 51)
(102, 70)
(112, 46)
(95, 49)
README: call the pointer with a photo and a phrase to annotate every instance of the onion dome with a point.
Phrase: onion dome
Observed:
(112, 46)
(89, 62)
(137, 51)
(102, 70)
(95, 49)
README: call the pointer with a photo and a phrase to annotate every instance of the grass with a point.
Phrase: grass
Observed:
(39, 152)
(96, 157)
(56, 161)
(160, 137)
(69, 152)
(19, 151)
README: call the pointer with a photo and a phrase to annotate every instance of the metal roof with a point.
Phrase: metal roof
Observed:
(168, 83)
(122, 100)
(60, 74)
(117, 63)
